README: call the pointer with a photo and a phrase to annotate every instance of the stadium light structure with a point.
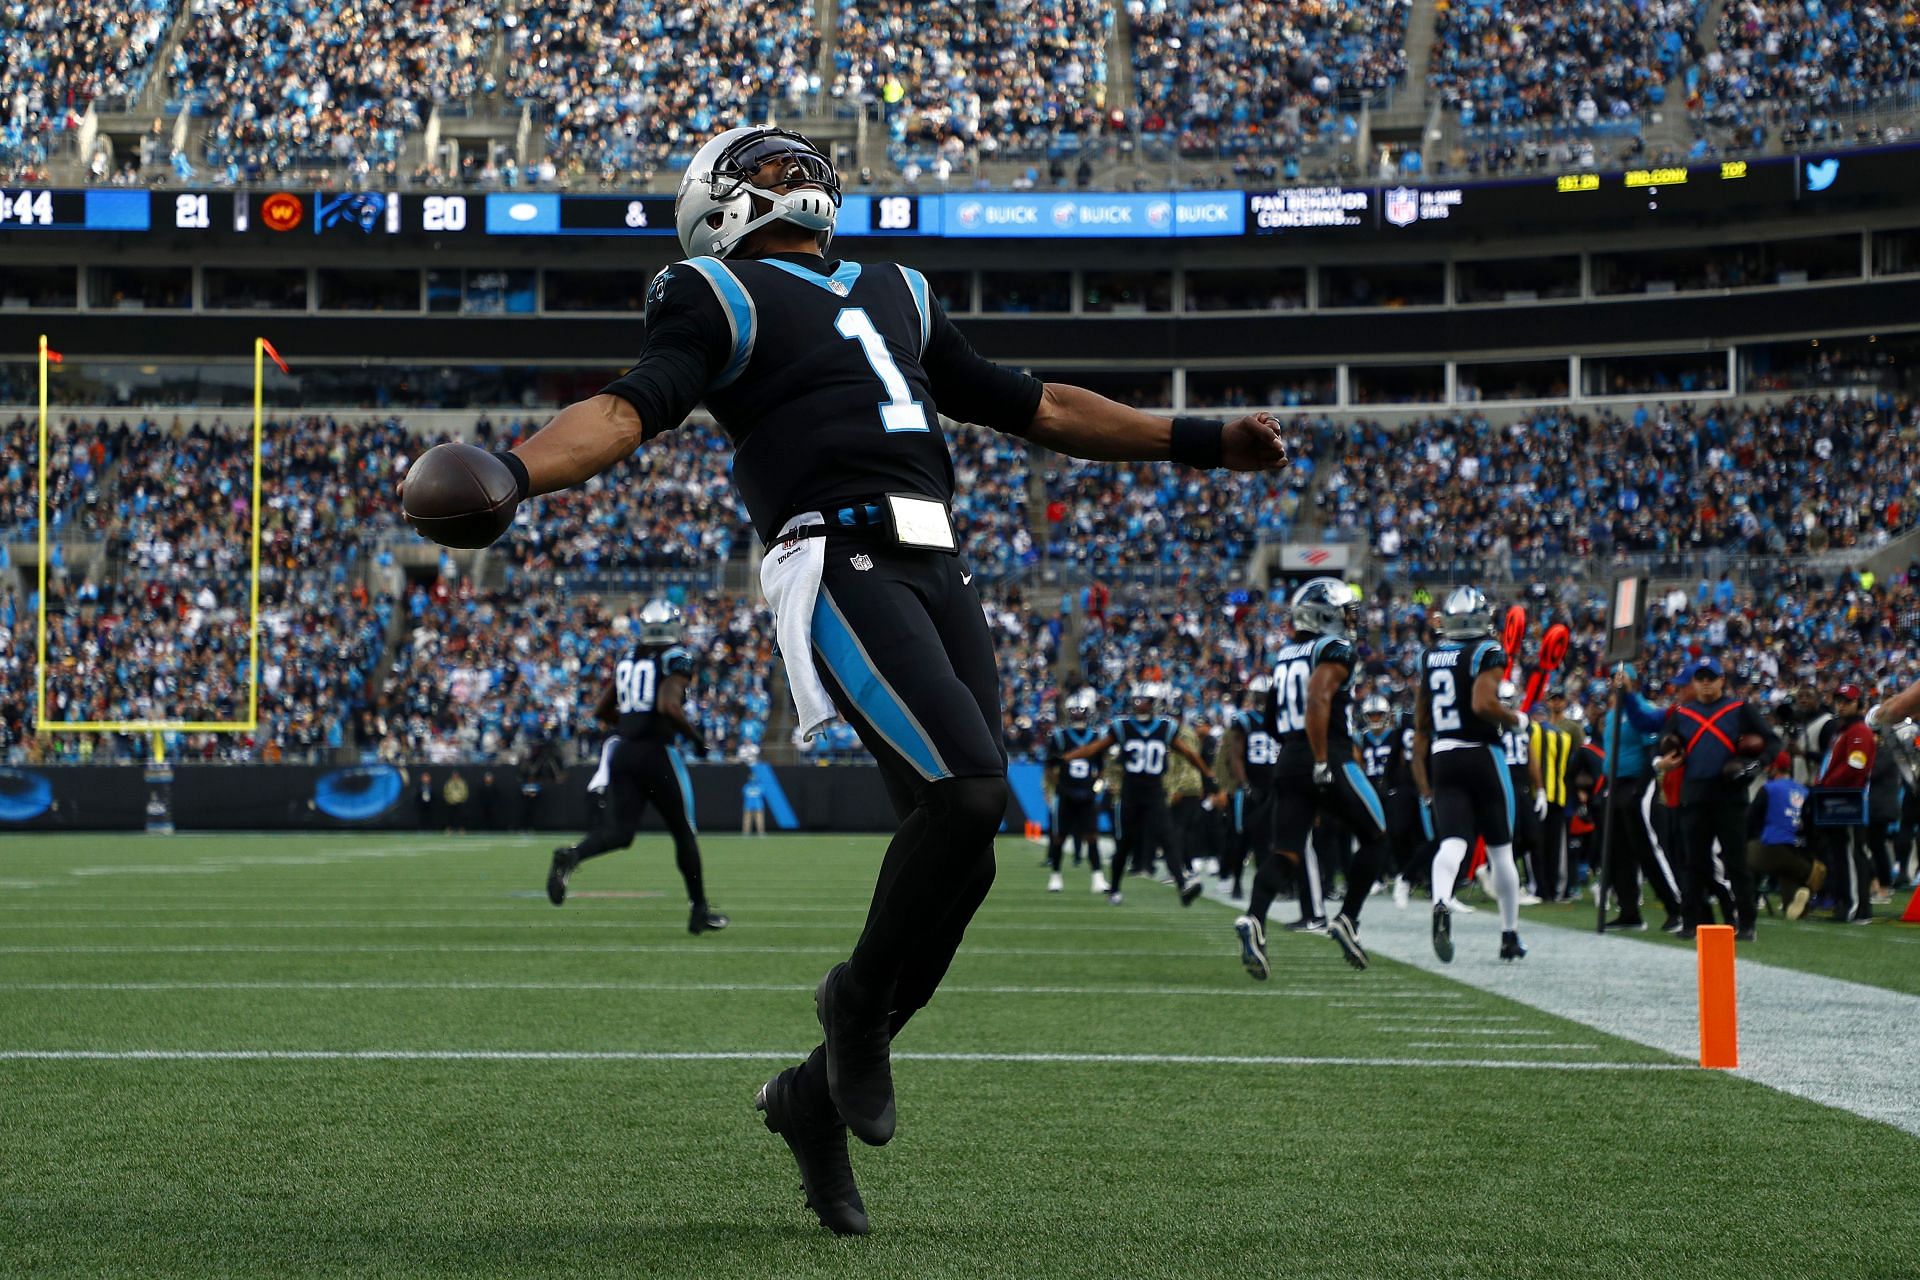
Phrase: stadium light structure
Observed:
(262, 350)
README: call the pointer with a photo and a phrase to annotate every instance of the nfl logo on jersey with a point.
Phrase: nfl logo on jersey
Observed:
(862, 562)
(1402, 206)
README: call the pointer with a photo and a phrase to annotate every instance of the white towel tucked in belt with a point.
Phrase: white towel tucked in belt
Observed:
(790, 579)
(604, 775)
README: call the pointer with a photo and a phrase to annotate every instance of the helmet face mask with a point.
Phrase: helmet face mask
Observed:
(1080, 707)
(719, 204)
(1376, 712)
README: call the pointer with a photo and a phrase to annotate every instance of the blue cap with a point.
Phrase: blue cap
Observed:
(1705, 667)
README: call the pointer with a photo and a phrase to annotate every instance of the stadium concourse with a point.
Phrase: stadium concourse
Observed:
(620, 93)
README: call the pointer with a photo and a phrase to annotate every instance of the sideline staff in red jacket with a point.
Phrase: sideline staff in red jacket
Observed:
(1846, 767)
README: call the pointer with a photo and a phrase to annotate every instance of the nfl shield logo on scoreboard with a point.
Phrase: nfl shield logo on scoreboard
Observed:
(1403, 206)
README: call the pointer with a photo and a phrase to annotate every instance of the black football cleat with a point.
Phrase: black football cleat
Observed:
(1622, 925)
(1443, 932)
(819, 1146)
(1344, 932)
(1253, 947)
(1511, 948)
(859, 1064)
(557, 872)
(703, 919)
(1191, 890)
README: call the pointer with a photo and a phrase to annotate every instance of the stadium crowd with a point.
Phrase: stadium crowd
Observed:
(632, 87)
(57, 59)
(1786, 68)
(288, 81)
(1261, 76)
(961, 82)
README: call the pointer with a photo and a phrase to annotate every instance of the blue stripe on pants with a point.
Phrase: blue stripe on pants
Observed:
(1357, 779)
(840, 649)
(1506, 784)
(686, 787)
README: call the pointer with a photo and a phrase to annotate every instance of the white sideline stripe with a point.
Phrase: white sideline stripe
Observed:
(1412, 1029)
(554, 923)
(1841, 1044)
(1522, 1048)
(165, 985)
(789, 1055)
(1437, 1017)
(536, 948)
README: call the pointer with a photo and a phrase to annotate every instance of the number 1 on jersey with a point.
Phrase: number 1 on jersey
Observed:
(899, 411)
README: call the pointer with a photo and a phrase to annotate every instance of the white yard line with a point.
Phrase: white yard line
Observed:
(1842, 1044)
(961, 989)
(788, 1055)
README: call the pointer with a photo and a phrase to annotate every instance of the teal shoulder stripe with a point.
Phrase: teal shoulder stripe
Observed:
(743, 319)
(917, 286)
(840, 281)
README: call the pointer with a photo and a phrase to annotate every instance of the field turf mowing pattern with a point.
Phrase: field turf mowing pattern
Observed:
(624, 1166)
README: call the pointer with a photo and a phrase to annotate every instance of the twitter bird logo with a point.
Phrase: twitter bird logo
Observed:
(1820, 176)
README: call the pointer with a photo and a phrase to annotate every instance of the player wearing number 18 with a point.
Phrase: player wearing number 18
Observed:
(829, 377)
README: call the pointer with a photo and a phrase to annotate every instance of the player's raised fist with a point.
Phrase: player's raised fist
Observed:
(1253, 443)
(459, 496)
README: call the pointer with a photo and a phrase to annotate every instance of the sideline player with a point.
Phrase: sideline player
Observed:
(1143, 825)
(646, 701)
(1386, 754)
(1076, 812)
(1530, 797)
(829, 378)
(1318, 776)
(1252, 758)
(1458, 765)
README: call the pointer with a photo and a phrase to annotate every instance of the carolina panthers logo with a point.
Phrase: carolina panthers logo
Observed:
(657, 291)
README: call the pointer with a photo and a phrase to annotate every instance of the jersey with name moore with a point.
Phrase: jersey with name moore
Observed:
(1447, 675)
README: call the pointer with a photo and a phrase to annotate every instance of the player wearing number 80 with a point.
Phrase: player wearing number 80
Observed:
(825, 376)
(1318, 772)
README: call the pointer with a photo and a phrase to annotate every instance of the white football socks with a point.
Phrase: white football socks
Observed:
(1506, 885)
(1446, 867)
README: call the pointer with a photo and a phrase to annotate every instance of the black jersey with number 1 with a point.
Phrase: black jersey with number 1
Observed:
(824, 375)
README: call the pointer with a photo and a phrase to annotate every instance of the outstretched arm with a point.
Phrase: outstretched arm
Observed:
(1900, 707)
(580, 442)
(1084, 424)
(1090, 750)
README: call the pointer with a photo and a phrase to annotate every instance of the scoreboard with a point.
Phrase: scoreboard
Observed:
(1618, 200)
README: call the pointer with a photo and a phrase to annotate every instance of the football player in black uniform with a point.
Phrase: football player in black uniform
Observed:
(1317, 774)
(1458, 764)
(1253, 758)
(1143, 825)
(1386, 754)
(829, 378)
(1076, 812)
(646, 704)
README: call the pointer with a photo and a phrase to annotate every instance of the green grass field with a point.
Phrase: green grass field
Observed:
(1319, 1125)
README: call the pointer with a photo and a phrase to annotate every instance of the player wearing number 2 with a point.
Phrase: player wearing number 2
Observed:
(1307, 713)
(1458, 764)
(646, 703)
(829, 378)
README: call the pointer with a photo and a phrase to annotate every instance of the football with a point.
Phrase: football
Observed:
(1752, 744)
(459, 496)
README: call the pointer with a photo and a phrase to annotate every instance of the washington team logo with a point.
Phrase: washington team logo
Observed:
(281, 211)
(1403, 206)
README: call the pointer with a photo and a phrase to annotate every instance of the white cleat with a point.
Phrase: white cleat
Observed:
(1460, 908)
(1402, 894)
(1055, 883)
(1100, 883)
(1529, 899)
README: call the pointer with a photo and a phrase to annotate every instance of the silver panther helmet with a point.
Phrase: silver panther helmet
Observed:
(716, 206)
(1327, 607)
(1080, 707)
(1376, 712)
(660, 623)
(1466, 615)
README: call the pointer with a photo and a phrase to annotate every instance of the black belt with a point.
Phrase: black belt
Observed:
(860, 519)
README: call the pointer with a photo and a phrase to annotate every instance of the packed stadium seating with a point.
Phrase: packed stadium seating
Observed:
(1261, 76)
(1788, 66)
(958, 81)
(287, 82)
(634, 87)
(57, 59)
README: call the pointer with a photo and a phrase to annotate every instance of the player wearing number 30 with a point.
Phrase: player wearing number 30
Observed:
(1307, 713)
(829, 378)
(1458, 765)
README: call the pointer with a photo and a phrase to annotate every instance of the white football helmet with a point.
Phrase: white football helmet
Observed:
(660, 623)
(1080, 707)
(1466, 615)
(718, 206)
(1376, 713)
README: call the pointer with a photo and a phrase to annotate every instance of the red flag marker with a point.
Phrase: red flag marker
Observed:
(275, 355)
